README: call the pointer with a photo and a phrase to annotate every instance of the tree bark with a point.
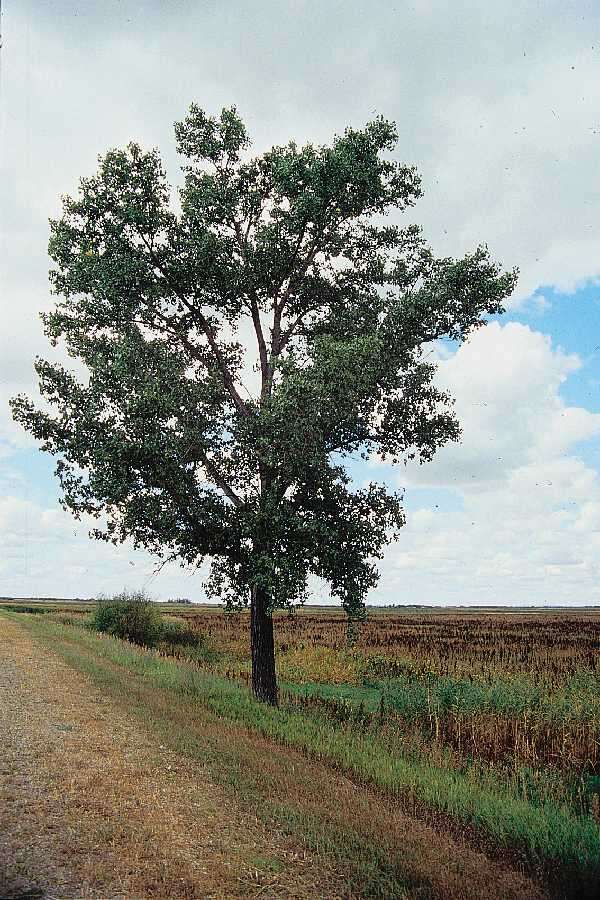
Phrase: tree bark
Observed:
(264, 681)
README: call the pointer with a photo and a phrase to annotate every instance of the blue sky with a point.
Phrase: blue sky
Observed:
(500, 114)
(573, 320)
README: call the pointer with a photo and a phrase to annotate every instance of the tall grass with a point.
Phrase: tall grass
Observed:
(545, 646)
(501, 719)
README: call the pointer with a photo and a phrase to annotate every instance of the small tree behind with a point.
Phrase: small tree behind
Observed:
(164, 442)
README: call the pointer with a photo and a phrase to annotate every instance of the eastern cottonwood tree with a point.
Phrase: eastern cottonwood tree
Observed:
(164, 444)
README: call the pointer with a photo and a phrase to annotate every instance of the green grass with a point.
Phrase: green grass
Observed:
(545, 830)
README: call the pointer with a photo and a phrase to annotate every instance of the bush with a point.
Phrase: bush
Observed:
(18, 608)
(130, 615)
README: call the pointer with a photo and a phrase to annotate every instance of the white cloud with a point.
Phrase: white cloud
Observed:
(506, 381)
(45, 552)
(531, 507)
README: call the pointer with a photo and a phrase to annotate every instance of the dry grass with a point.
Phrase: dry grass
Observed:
(545, 644)
(237, 814)
(92, 805)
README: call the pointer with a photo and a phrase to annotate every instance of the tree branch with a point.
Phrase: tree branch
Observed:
(294, 277)
(262, 347)
(206, 328)
(218, 479)
(255, 311)
(290, 330)
(294, 255)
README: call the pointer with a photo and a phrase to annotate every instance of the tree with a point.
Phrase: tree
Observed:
(164, 445)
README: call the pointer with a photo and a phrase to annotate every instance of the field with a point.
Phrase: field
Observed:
(484, 725)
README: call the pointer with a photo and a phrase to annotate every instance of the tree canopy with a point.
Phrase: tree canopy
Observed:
(160, 296)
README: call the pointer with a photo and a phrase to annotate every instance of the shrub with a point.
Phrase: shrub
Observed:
(130, 615)
(19, 608)
(180, 641)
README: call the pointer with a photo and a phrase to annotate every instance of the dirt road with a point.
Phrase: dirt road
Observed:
(90, 806)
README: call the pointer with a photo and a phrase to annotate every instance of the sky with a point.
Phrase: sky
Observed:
(498, 106)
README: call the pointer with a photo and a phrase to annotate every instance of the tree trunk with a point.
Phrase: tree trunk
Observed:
(264, 682)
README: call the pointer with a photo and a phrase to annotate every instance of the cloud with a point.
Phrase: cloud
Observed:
(506, 381)
(505, 544)
(531, 506)
(45, 552)
(513, 163)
